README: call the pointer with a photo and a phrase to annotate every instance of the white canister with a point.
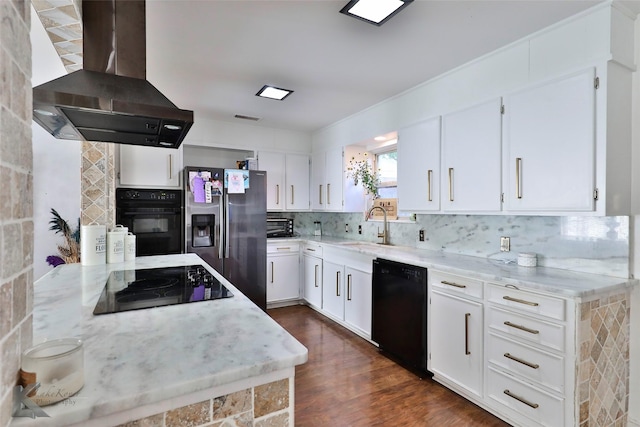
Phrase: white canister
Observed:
(93, 244)
(129, 247)
(115, 246)
(120, 228)
(527, 259)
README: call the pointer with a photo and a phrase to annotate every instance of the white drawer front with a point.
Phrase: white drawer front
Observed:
(454, 284)
(523, 327)
(539, 366)
(527, 302)
(312, 249)
(284, 247)
(540, 407)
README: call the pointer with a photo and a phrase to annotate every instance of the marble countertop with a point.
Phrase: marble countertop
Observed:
(561, 282)
(141, 357)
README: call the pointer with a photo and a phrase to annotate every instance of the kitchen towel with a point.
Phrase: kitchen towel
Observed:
(93, 244)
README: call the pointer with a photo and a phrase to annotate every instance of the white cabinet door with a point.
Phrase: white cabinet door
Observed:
(273, 164)
(312, 280)
(333, 289)
(297, 182)
(357, 308)
(456, 334)
(283, 274)
(334, 178)
(318, 187)
(471, 159)
(150, 166)
(549, 135)
(419, 167)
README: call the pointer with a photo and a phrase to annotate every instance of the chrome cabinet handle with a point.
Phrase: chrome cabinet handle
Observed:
(348, 287)
(292, 195)
(271, 271)
(287, 248)
(320, 194)
(522, 328)
(451, 184)
(466, 333)
(337, 283)
(315, 275)
(444, 282)
(328, 194)
(310, 249)
(524, 362)
(520, 301)
(429, 175)
(519, 177)
(277, 194)
(521, 399)
(170, 166)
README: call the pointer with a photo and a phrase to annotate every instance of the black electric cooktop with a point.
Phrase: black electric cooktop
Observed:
(135, 289)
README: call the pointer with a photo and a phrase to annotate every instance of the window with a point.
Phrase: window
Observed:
(387, 165)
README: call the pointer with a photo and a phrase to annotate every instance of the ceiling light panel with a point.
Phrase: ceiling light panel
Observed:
(272, 92)
(376, 12)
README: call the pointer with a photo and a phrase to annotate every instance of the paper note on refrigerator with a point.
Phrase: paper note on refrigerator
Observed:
(235, 181)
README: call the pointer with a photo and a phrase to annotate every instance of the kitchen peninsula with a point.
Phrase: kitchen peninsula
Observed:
(181, 364)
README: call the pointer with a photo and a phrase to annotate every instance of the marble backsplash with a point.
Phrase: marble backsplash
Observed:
(587, 244)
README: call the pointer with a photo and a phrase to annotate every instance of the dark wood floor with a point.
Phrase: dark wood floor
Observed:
(346, 382)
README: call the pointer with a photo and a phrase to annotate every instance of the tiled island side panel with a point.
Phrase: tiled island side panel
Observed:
(267, 405)
(603, 369)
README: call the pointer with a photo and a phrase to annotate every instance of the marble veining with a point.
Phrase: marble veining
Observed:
(145, 356)
(598, 245)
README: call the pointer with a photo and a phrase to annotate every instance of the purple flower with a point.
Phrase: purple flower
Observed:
(54, 260)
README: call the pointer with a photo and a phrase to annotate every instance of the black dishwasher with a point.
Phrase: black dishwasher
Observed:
(400, 313)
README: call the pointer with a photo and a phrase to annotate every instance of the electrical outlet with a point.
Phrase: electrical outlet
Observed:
(359, 229)
(421, 235)
(346, 228)
(505, 244)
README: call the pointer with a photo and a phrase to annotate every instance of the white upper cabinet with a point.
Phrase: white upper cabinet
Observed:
(297, 182)
(419, 167)
(549, 146)
(150, 166)
(471, 159)
(287, 180)
(331, 190)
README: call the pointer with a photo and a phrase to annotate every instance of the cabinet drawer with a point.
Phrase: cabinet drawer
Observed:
(283, 247)
(313, 249)
(527, 302)
(544, 368)
(526, 328)
(454, 284)
(543, 408)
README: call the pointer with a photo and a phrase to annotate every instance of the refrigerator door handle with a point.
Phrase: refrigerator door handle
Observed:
(223, 236)
(226, 226)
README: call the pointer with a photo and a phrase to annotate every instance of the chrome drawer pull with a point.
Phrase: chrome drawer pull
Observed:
(520, 399)
(524, 362)
(444, 282)
(522, 328)
(312, 250)
(287, 248)
(521, 301)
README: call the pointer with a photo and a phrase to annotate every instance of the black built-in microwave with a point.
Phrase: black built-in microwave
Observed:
(279, 227)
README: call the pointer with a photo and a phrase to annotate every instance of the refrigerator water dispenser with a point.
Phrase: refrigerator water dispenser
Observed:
(202, 230)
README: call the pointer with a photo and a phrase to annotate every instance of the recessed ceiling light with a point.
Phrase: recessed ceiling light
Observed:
(375, 12)
(380, 138)
(272, 92)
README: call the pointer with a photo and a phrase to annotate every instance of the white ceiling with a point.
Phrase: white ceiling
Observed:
(213, 56)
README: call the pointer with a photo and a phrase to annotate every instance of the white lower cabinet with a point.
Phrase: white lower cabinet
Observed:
(456, 331)
(357, 305)
(333, 289)
(312, 274)
(283, 272)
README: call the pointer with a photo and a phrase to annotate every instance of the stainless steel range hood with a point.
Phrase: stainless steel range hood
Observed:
(110, 100)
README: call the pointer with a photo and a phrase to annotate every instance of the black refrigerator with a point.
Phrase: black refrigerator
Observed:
(226, 225)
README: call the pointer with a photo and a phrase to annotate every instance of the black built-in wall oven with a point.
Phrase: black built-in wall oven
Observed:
(156, 218)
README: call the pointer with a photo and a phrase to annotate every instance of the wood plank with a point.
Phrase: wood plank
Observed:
(347, 382)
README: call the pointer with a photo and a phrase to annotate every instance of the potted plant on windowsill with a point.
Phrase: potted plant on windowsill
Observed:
(361, 171)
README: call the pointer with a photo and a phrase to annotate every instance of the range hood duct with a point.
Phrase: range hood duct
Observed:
(110, 100)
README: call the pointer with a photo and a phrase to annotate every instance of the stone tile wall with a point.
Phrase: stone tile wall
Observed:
(16, 209)
(268, 405)
(603, 370)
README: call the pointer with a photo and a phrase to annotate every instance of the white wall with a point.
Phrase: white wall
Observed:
(56, 162)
